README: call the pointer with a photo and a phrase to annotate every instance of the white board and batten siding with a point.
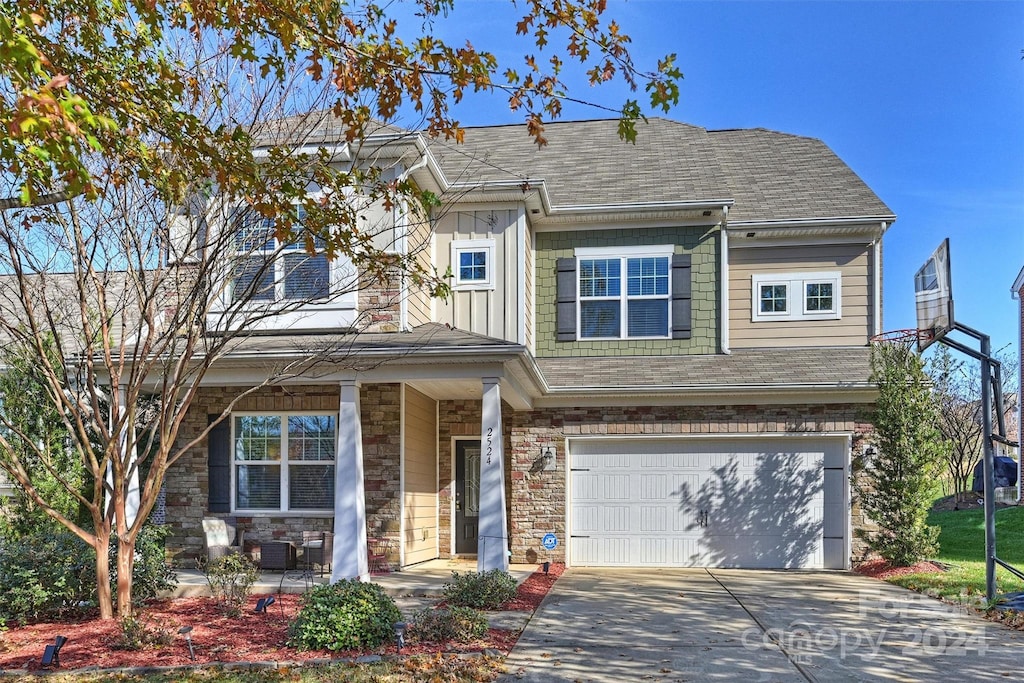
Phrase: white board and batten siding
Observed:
(496, 311)
(419, 509)
(764, 502)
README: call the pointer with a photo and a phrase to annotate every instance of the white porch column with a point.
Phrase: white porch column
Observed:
(492, 544)
(130, 460)
(349, 561)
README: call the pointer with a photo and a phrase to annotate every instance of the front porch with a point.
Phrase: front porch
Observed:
(423, 580)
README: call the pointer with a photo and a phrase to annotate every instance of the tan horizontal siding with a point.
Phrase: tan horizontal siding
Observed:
(852, 261)
(420, 477)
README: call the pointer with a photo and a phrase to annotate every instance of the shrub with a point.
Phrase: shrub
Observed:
(487, 590)
(45, 573)
(231, 578)
(151, 572)
(134, 634)
(461, 624)
(345, 615)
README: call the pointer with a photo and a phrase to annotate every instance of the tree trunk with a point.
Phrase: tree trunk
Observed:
(103, 596)
(125, 569)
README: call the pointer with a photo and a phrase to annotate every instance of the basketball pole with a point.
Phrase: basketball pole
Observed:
(988, 453)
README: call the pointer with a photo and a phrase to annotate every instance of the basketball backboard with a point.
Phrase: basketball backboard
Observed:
(933, 296)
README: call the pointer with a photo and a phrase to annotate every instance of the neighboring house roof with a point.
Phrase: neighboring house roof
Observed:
(1018, 286)
(800, 367)
(771, 176)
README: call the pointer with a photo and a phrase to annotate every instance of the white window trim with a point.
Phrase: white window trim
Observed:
(796, 296)
(624, 254)
(460, 246)
(283, 510)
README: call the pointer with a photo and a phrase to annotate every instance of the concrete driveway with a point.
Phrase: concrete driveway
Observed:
(718, 624)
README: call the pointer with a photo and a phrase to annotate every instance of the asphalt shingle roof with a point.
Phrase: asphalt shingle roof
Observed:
(845, 366)
(770, 175)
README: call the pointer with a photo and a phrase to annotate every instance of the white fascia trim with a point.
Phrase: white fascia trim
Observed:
(640, 206)
(672, 389)
(342, 152)
(805, 222)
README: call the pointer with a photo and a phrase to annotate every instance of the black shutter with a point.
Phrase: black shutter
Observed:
(218, 465)
(565, 302)
(681, 296)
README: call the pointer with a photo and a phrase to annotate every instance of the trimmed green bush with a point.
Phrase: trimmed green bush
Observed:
(461, 624)
(231, 578)
(487, 590)
(345, 615)
(46, 573)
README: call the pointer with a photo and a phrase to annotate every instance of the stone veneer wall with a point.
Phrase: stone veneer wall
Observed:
(186, 482)
(537, 499)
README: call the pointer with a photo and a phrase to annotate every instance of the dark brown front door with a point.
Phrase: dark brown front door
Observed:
(467, 495)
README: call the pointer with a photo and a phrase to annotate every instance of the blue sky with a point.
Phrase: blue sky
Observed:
(924, 100)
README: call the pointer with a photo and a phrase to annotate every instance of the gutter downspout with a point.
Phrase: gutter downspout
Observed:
(403, 302)
(1015, 294)
(724, 270)
(876, 257)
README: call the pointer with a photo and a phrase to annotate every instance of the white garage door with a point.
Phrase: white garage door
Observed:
(765, 502)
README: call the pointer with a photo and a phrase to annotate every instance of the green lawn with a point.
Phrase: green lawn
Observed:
(962, 545)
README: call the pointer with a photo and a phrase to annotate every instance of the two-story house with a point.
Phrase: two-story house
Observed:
(658, 353)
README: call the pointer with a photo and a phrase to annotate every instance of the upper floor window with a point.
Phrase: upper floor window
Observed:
(796, 296)
(284, 462)
(270, 270)
(473, 264)
(625, 295)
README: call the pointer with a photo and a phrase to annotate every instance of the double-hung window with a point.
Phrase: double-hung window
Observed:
(624, 293)
(284, 462)
(796, 296)
(267, 269)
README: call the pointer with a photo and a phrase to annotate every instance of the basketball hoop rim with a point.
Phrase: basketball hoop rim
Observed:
(907, 336)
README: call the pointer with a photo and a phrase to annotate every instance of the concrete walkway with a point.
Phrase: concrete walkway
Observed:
(728, 625)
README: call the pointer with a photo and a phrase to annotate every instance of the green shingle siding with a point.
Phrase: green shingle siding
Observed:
(701, 242)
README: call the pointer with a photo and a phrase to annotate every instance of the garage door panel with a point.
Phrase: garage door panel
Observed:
(653, 519)
(723, 502)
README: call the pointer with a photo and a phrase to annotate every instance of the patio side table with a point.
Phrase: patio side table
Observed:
(278, 555)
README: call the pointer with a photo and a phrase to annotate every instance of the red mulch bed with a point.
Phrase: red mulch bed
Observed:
(532, 591)
(880, 569)
(249, 638)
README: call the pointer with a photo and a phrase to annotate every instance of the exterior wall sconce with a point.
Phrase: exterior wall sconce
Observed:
(547, 458)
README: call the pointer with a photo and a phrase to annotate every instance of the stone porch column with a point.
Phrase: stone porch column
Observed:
(349, 560)
(492, 545)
